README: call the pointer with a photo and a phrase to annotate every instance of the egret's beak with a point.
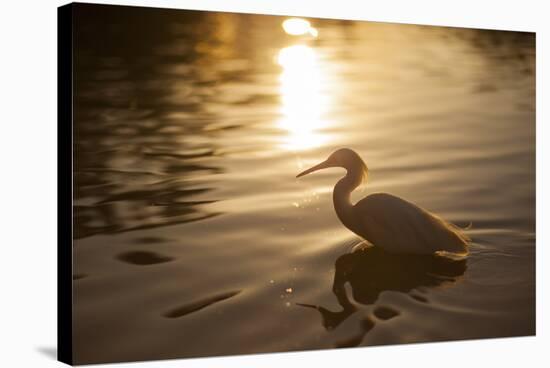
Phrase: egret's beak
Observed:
(322, 165)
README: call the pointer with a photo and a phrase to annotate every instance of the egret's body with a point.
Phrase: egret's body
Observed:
(387, 221)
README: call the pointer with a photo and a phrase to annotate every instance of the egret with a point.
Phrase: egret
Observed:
(387, 221)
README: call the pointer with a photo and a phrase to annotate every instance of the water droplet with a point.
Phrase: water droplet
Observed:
(289, 290)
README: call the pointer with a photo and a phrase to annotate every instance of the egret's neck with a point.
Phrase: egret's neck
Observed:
(341, 197)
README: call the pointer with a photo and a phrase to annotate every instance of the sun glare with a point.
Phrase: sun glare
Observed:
(298, 27)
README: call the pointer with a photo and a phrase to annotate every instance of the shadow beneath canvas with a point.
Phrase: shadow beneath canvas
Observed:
(48, 351)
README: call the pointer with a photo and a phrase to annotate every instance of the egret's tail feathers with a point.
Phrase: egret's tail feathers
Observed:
(455, 240)
(462, 242)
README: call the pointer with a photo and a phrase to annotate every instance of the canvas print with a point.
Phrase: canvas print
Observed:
(248, 183)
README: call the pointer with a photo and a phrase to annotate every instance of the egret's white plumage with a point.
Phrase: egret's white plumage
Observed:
(387, 221)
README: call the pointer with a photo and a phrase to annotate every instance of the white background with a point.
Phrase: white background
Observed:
(28, 181)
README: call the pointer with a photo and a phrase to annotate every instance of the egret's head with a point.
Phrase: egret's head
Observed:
(344, 157)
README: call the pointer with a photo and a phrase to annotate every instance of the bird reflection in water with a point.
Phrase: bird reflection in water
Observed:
(370, 271)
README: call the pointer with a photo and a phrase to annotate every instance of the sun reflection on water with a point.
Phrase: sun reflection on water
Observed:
(303, 101)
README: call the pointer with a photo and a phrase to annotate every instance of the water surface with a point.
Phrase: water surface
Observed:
(192, 235)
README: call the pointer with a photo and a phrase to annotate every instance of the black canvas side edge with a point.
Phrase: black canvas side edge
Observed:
(64, 182)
